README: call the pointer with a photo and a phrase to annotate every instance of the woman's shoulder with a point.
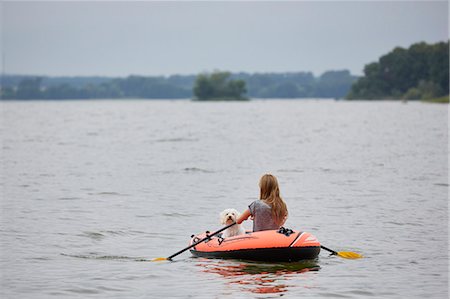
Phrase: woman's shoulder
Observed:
(259, 203)
(254, 205)
(256, 202)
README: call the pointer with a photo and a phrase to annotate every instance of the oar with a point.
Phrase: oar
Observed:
(190, 246)
(344, 254)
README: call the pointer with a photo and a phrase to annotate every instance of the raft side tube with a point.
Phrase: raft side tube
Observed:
(290, 254)
(262, 239)
(263, 245)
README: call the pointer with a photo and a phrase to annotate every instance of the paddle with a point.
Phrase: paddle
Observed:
(344, 254)
(190, 246)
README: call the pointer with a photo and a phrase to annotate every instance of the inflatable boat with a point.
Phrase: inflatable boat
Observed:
(283, 245)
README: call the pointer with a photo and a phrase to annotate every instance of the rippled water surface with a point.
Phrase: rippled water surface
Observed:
(91, 191)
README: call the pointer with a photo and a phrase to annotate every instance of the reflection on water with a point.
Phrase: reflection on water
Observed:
(257, 277)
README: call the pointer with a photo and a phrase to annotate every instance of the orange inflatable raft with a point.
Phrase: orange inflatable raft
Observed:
(270, 245)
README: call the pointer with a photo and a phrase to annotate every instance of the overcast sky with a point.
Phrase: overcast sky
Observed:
(163, 38)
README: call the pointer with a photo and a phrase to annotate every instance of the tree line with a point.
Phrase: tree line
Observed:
(418, 72)
(30, 87)
(331, 84)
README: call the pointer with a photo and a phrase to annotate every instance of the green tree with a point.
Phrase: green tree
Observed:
(29, 88)
(439, 65)
(219, 86)
(62, 91)
(334, 84)
(420, 71)
(426, 90)
(7, 93)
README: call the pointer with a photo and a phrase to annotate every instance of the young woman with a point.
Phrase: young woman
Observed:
(270, 211)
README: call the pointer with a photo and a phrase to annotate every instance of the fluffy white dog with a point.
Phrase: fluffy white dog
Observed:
(227, 217)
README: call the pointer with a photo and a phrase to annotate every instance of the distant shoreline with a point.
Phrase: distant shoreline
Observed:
(333, 84)
(442, 100)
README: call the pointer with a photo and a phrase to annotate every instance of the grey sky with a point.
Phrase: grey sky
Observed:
(162, 38)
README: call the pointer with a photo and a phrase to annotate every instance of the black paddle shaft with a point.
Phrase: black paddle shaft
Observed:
(328, 249)
(204, 239)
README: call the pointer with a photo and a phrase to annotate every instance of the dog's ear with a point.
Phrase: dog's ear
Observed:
(222, 217)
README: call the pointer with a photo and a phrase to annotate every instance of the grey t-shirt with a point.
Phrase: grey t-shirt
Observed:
(262, 216)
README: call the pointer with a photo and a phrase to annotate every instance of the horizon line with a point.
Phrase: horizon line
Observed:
(179, 74)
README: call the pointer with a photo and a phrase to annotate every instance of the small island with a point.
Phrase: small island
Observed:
(218, 86)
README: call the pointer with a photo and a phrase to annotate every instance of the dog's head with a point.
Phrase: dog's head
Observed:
(229, 216)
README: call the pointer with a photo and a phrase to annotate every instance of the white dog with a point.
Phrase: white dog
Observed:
(227, 217)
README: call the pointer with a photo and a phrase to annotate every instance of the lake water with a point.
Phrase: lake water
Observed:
(93, 190)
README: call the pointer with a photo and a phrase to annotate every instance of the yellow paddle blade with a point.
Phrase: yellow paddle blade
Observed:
(349, 255)
(158, 259)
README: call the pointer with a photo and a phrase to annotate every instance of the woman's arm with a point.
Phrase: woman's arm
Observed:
(244, 216)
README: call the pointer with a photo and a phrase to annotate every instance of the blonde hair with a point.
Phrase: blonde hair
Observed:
(270, 193)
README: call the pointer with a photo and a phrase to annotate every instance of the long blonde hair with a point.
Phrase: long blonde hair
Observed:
(270, 193)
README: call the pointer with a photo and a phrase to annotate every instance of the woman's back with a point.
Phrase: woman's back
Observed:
(262, 216)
